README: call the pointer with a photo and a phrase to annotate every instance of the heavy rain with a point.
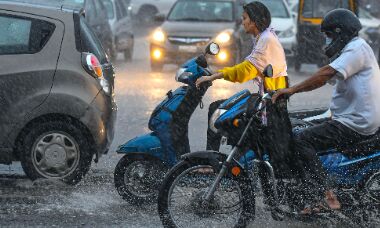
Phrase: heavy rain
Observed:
(85, 82)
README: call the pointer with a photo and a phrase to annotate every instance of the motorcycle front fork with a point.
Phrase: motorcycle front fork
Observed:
(265, 174)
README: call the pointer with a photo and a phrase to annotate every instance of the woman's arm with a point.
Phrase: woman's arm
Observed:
(241, 73)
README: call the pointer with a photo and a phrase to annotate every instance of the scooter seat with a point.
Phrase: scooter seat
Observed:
(363, 148)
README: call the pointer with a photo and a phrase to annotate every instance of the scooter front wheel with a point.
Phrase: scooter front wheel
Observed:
(138, 177)
(181, 198)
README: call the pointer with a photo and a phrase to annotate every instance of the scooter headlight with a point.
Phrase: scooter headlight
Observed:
(182, 75)
(214, 117)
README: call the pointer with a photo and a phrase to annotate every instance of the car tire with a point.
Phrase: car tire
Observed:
(56, 150)
(112, 53)
(128, 53)
(156, 67)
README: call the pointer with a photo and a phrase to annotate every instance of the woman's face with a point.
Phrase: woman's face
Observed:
(249, 26)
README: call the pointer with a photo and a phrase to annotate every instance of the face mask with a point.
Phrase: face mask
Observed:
(328, 41)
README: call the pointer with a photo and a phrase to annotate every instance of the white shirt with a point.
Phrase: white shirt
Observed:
(268, 50)
(356, 97)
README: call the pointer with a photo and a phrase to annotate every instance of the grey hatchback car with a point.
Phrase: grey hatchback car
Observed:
(57, 108)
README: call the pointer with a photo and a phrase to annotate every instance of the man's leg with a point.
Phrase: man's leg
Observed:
(213, 139)
(324, 136)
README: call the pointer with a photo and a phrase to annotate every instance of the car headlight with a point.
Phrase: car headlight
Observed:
(214, 117)
(224, 37)
(288, 33)
(158, 35)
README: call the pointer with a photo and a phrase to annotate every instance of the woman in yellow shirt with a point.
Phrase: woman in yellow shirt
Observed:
(266, 50)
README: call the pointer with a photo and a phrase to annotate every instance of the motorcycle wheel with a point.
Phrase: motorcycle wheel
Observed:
(137, 178)
(372, 186)
(180, 201)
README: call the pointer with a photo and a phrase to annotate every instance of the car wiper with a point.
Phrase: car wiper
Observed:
(220, 20)
(188, 19)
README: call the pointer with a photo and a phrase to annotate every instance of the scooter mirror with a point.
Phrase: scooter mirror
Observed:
(212, 49)
(268, 71)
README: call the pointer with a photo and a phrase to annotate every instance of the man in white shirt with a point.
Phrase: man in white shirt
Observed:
(355, 103)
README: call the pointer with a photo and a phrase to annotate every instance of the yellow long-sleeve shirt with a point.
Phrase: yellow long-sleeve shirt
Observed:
(246, 71)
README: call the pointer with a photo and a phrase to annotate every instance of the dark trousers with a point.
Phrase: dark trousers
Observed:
(276, 139)
(308, 142)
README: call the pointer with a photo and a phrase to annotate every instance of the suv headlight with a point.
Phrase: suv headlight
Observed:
(214, 117)
(158, 36)
(224, 37)
(288, 33)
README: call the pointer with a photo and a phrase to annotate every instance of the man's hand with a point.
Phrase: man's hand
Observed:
(282, 92)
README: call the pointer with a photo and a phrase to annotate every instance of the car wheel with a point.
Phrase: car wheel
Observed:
(156, 67)
(128, 54)
(112, 54)
(56, 150)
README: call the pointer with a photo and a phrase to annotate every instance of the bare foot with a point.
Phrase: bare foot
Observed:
(332, 200)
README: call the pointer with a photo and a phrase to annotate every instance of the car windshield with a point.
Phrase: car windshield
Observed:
(202, 11)
(74, 3)
(276, 8)
(318, 8)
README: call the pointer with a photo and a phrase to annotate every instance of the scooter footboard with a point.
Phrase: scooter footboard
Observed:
(148, 143)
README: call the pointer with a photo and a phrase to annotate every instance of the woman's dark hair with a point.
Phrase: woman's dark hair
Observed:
(258, 13)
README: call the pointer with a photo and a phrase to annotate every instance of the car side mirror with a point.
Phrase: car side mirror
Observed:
(268, 71)
(159, 17)
(212, 48)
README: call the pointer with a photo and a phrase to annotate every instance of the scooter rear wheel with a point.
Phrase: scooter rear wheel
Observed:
(138, 177)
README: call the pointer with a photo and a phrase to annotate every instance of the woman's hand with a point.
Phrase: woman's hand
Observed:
(202, 79)
(282, 92)
(210, 78)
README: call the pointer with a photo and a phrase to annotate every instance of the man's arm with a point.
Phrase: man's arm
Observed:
(319, 79)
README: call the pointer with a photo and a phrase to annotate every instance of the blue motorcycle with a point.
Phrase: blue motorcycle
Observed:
(213, 189)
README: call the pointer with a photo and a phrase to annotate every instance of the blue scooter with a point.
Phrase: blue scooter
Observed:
(147, 158)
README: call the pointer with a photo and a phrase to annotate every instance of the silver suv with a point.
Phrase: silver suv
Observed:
(57, 110)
